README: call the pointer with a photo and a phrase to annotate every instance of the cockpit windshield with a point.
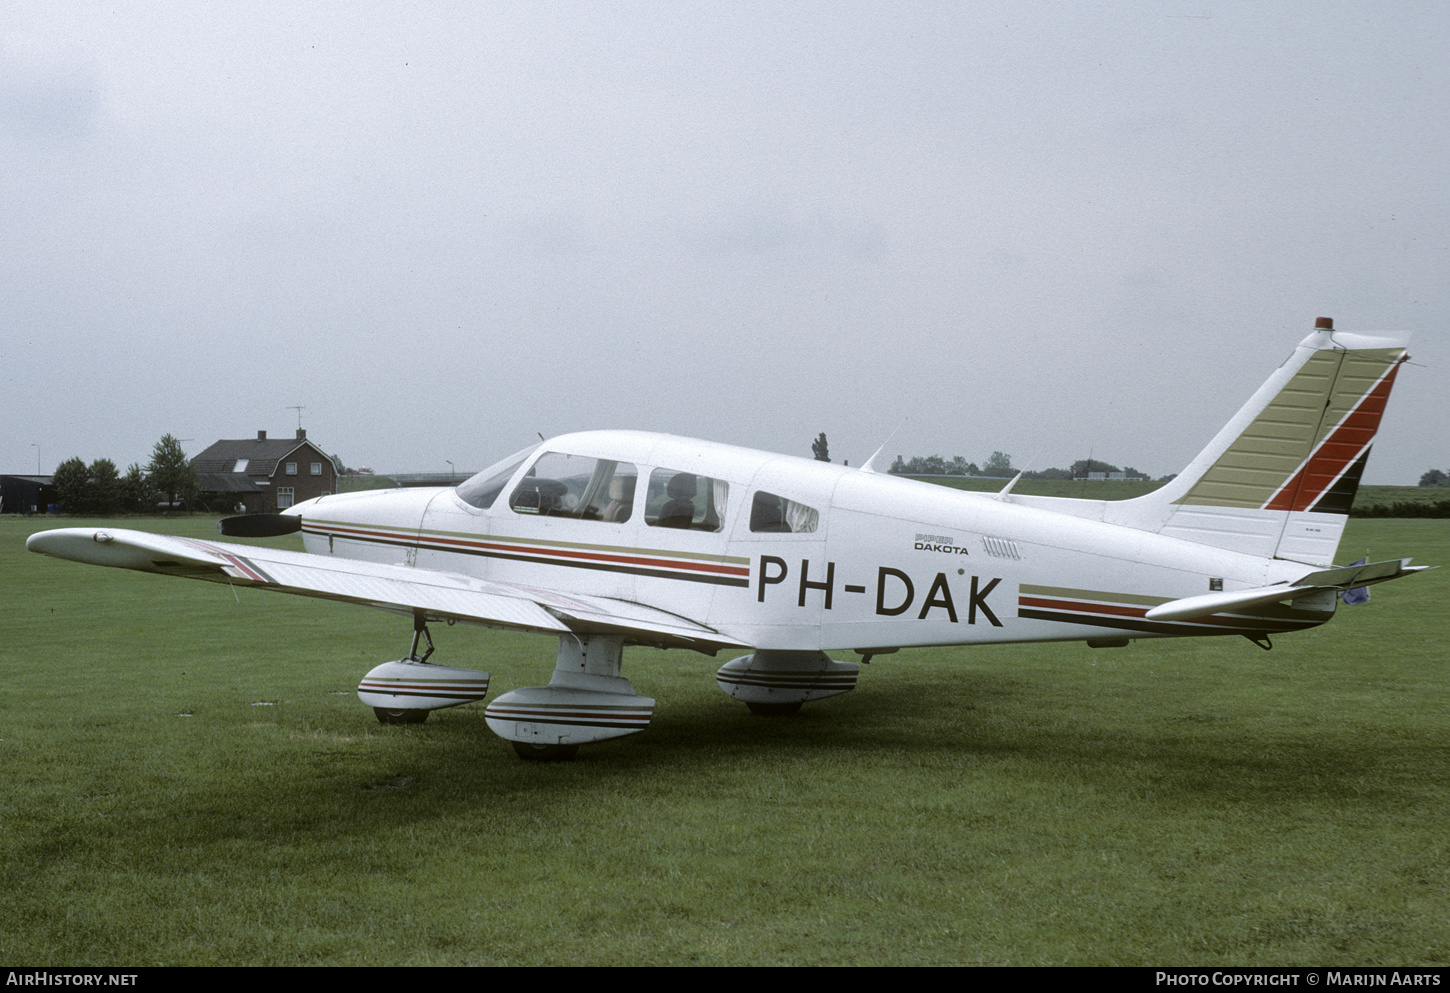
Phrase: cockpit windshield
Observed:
(481, 490)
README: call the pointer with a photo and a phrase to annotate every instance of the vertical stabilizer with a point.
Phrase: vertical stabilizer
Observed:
(1279, 479)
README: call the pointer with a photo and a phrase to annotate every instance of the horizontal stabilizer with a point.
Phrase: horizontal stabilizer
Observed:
(1348, 576)
(1212, 603)
(1342, 578)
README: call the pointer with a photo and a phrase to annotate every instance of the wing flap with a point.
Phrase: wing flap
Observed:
(601, 613)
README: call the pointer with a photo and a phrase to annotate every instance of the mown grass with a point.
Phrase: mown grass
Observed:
(1198, 801)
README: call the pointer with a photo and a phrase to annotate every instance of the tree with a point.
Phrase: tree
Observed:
(1000, 464)
(1082, 467)
(137, 493)
(1435, 478)
(72, 485)
(171, 472)
(105, 488)
(819, 447)
(1053, 473)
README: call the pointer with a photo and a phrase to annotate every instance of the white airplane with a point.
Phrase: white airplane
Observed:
(613, 538)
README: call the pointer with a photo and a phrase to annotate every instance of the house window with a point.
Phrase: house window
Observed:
(317, 468)
(291, 468)
(241, 465)
(284, 497)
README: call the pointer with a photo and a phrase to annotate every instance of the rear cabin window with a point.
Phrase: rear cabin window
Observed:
(685, 500)
(577, 486)
(773, 514)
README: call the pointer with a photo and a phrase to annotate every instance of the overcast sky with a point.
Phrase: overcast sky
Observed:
(1046, 228)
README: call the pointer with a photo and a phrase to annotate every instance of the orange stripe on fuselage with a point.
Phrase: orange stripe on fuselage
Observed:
(542, 552)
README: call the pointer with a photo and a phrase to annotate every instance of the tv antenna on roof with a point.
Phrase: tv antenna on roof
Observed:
(299, 410)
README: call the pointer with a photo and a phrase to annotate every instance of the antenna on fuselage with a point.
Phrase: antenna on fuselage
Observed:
(1013, 482)
(866, 466)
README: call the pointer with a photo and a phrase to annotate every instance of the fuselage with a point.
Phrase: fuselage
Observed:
(783, 553)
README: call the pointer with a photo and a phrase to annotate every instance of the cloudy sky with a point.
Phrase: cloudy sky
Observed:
(1046, 228)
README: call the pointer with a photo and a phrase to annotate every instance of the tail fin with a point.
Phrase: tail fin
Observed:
(1279, 479)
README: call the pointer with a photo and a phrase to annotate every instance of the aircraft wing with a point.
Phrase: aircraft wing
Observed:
(440, 595)
(1341, 578)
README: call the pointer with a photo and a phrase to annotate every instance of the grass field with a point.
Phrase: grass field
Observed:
(189, 779)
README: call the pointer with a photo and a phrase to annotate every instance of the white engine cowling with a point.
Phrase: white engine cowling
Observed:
(421, 686)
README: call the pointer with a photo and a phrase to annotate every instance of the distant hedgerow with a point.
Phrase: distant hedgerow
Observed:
(1440, 508)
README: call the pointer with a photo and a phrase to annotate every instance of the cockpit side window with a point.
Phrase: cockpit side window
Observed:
(772, 514)
(481, 490)
(685, 500)
(577, 486)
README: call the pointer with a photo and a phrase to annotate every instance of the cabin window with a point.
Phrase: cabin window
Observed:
(685, 500)
(772, 514)
(483, 489)
(577, 486)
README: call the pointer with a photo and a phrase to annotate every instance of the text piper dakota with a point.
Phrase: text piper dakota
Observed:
(612, 538)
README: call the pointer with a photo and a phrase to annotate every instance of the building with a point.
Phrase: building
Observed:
(26, 494)
(265, 474)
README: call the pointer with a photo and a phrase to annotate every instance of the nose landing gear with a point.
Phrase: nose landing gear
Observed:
(405, 691)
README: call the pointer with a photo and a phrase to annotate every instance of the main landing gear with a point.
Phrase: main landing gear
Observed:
(586, 700)
(775, 684)
(405, 691)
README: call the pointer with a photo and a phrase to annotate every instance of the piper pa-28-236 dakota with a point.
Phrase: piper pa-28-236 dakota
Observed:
(613, 538)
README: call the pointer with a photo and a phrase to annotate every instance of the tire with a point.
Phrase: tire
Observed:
(391, 715)
(774, 709)
(530, 752)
